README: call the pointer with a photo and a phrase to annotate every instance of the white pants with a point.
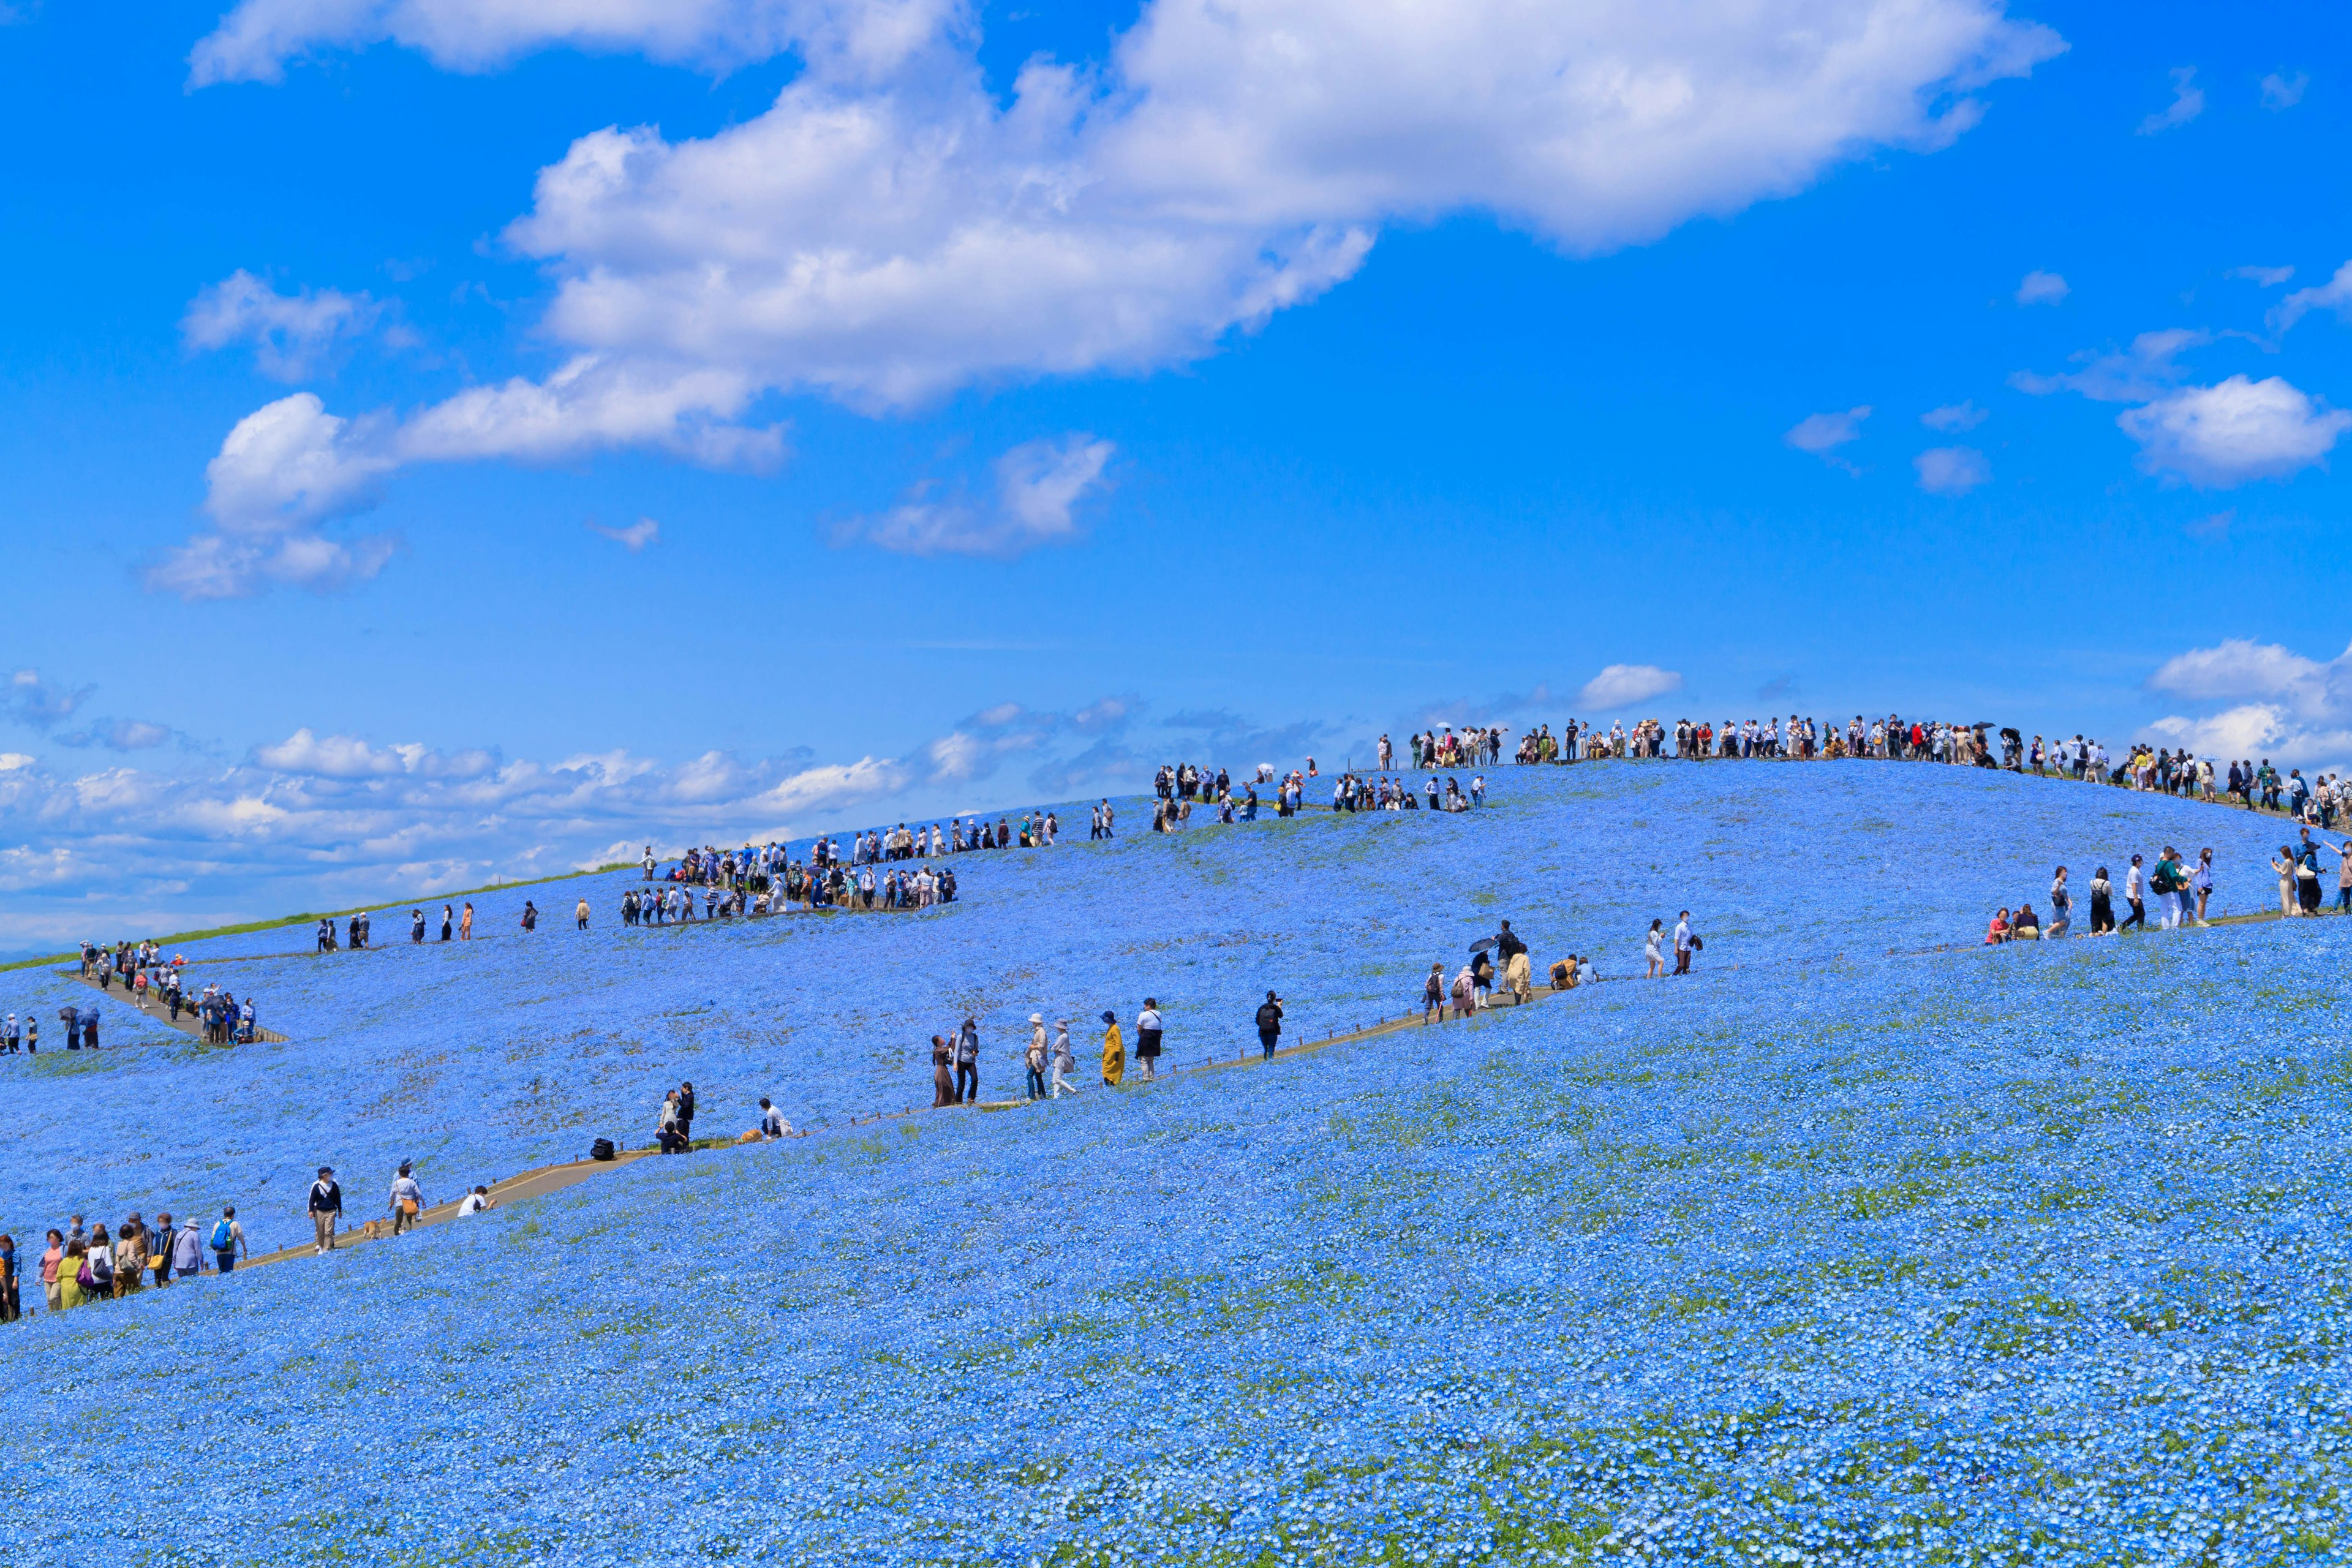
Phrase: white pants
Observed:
(1061, 1086)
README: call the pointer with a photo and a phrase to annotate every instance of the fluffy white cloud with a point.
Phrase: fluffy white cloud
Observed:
(2283, 705)
(2043, 288)
(1039, 486)
(2187, 103)
(2282, 92)
(887, 242)
(1623, 684)
(1954, 417)
(255, 41)
(290, 333)
(2234, 432)
(2336, 295)
(894, 227)
(1951, 471)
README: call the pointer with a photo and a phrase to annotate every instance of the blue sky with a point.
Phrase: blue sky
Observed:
(444, 445)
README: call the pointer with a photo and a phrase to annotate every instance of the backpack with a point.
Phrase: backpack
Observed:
(224, 1238)
(601, 1150)
(100, 1269)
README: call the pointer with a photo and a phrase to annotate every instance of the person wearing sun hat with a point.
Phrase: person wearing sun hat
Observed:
(1035, 1057)
(1114, 1050)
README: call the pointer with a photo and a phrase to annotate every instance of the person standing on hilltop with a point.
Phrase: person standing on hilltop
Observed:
(649, 862)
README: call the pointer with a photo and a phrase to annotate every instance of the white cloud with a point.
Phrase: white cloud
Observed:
(1623, 684)
(2041, 289)
(1951, 471)
(2266, 276)
(885, 243)
(633, 538)
(1954, 417)
(40, 704)
(895, 227)
(290, 333)
(2187, 103)
(2336, 295)
(1823, 433)
(2284, 706)
(2144, 371)
(256, 41)
(2234, 432)
(1039, 486)
(2282, 91)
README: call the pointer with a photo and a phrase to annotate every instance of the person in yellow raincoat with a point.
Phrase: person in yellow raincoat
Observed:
(1114, 1052)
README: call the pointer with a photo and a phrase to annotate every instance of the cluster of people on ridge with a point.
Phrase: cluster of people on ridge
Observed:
(2181, 890)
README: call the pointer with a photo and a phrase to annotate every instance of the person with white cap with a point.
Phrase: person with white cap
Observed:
(1037, 1055)
(325, 1208)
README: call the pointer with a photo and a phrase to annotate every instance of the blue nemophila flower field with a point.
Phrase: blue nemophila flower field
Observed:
(1833, 1255)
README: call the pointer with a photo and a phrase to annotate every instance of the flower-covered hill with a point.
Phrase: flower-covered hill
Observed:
(2035, 1256)
(478, 1060)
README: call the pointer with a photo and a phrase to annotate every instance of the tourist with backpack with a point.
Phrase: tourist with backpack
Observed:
(1269, 1022)
(407, 1200)
(227, 1240)
(326, 1209)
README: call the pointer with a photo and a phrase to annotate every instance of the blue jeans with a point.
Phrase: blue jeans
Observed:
(1036, 1084)
(227, 1261)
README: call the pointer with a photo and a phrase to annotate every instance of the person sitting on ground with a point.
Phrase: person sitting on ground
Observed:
(2024, 926)
(771, 1120)
(1998, 933)
(1564, 974)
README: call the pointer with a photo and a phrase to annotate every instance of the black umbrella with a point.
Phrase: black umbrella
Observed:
(1483, 943)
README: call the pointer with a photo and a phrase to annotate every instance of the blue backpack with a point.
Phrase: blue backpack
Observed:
(224, 1238)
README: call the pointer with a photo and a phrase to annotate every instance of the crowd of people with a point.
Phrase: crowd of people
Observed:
(2181, 890)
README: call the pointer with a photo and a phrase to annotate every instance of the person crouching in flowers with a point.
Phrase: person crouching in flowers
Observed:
(1114, 1051)
(2024, 925)
(1998, 933)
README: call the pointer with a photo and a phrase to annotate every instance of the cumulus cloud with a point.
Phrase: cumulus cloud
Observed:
(1039, 487)
(896, 226)
(2336, 295)
(1954, 417)
(2282, 705)
(2282, 92)
(258, 39)
(2041, 289)
(2233, 432)
(635, 537)
(2187, 103)
(1623, 684)
(290, 333)
(1951, 471)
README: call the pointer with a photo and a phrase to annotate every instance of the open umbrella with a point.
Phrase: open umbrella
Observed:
(1483, 943)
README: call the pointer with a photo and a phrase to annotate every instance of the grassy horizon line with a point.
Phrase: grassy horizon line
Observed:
(241, 929)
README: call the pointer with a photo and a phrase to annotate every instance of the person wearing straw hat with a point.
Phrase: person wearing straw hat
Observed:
(1034, 1057)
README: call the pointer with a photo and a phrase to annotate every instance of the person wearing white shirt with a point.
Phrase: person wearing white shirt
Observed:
(2135, 881)
(475, 1202)
(1684, 943)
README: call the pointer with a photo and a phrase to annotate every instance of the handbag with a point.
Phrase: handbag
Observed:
(408, 1207)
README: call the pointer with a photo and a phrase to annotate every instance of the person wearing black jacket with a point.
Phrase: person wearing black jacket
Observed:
(1269, 1023)
(325, 1208)
(1515, 966)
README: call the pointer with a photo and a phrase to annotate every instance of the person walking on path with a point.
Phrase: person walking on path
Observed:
(1433, 993)
(1065, 1062)
(2200, 881)
(159, 1256)
(325, 1208)
(1516, 967)
(1035, 1057)
(2306, 874)
(1147, 1036)
(227, 1240)
(1114, 1051)
(2062, 905)
(1652, 949)
(466, 923)
(188, 1251)
(2134, 885)
(52, 1262)
(2102, 903)
(649, 862)
(1466, 993)
(1269, 1025)
(967, 1059)
(448, 922)
(686, 1108)
(1684, 943)
(407, 1200)
(10, 1309)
